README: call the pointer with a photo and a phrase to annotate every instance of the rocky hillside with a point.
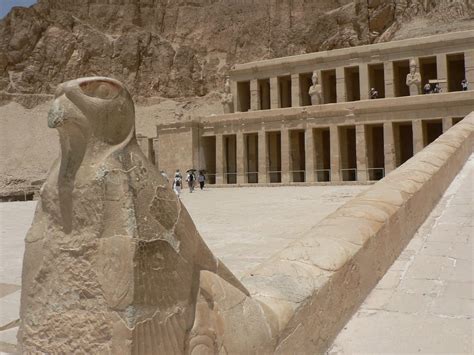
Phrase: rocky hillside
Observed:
(183, 48)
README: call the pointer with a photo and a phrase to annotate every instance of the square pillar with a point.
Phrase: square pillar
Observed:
(442, 71)
(241, 178)
(361, 153)
(295, 90)
(388, 77)
(254, 100)
(389, 147)
(469, 67)
(447, 123)
(309, 154)
(274, 94)
(285, 156)
(219, 159)
(235, 95)
(340, 85)
(364, 81)
(335, 153)
(417, 127)
(262, 157)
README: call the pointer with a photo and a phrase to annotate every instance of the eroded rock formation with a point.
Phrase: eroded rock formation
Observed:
(113, 262)
(184, 48)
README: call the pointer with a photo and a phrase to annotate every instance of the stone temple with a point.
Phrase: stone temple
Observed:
(114, 263)
(276, 135)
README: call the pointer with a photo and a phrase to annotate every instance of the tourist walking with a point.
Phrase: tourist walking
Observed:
(464, 85)
(373, 94)
(190, 179)
(201, 179)
(177, 183)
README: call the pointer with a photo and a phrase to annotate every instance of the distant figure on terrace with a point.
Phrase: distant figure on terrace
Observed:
(315, 90)
(427, 88)
(190, 179)
(414, 79)
(177, 183)
(373, 94)
(437, 89)
(201, 180)
(464, 85)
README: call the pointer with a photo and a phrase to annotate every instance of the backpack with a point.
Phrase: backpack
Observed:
(177, 182)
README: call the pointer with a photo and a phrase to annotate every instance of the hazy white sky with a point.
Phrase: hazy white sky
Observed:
(6, 5)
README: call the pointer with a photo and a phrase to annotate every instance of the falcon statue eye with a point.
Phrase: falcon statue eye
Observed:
(100, 89)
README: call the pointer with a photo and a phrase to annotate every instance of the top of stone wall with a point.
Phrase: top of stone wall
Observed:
(415, 46)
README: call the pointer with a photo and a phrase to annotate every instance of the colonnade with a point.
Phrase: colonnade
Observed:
(359, 152)
(352, 82)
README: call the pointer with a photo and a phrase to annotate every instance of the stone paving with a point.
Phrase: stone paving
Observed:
(425, 302)
(243, 226)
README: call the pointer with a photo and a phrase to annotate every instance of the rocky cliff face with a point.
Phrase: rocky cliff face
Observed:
(178, 48)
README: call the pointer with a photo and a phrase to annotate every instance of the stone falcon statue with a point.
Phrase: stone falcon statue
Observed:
(113, 262)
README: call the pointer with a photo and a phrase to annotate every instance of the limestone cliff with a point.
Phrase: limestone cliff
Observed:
(178, 48)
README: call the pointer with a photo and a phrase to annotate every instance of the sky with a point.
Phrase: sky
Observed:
(6, 5)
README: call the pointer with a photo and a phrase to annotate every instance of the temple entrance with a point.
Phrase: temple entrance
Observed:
(456, 71)
(328, 82)
(208, 158)
(297, 156)
(347, 146)
(432, 129)
(403, 141)
(251, 159)
(322, 146)
(352, 82)
(284, 89)
(428, 70)
(375, 152)
(401, 69)
(305, 83)
(377, 78)
(274, 156)
(243, 96)
(264, 93)
(230, 161)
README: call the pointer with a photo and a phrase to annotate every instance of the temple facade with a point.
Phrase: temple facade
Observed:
(350, 114)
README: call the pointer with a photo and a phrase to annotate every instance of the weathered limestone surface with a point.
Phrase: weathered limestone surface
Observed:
(113, 262)
(318, 281)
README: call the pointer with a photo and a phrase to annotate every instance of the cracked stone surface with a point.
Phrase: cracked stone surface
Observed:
(425, 302)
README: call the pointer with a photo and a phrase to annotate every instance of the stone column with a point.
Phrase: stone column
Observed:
(254, 97)
(309, 154)
(219, 159)
(262, 157)
(442, 71)
(295, 90)
(235, 95)
(418, 144)
(241, 158)
(274, 93)
(447, 123)
(335, 153)
(361, 153)
(364, 81)
(469, 67)
(285, 156)
(389, 147)
(388, 77)
(340, 85)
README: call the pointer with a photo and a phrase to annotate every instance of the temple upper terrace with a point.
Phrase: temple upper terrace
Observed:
(348, 74)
